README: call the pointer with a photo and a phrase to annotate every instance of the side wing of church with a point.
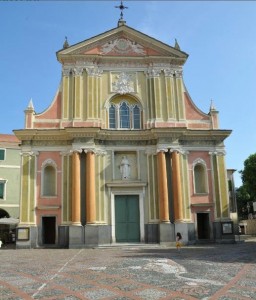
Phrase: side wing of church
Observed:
(122, 154)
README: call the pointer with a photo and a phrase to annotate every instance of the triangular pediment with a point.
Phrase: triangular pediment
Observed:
(122, 41)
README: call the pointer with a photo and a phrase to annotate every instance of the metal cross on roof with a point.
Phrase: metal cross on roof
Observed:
(121, 7)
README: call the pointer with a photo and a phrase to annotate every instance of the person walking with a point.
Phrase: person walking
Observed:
(178, 241)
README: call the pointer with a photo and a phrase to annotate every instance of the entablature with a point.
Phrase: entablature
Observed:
(182, 136)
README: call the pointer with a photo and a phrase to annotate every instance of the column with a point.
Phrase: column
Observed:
(76, 189)
(163, 188)
(177, 191)
(90, 188)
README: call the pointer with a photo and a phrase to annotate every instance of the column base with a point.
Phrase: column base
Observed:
(152, 233)
(166, 233)
(76, 236)
(29, 243)
(63, 236)
(220, 235)
(187, 231)
(95, 235)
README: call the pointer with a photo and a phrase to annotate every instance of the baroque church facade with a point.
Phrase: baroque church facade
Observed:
(122, 154)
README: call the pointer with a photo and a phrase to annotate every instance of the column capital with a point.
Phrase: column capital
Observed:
(66, 71)
(29, 153)
(94, 71)
(178, 73)
(218, 152)
(152, 72)
(150, 151)
(95, 151)
(169, 72)
(161, 149)
(180, 151)
(78, 71)
(76, 150)
(66, 153)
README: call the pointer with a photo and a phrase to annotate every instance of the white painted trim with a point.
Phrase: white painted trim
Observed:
(8, 205)
(9, 167)
(122, 191)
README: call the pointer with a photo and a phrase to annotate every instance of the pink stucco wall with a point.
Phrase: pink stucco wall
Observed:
(43, 201)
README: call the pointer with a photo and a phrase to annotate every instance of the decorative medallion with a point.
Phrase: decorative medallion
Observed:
(123, 84)
(122, 46)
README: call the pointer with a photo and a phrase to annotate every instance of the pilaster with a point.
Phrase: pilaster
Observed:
(170, 95)
(78, 92)
(93, 92)
(154, 101)
(65, 91)
(220, 185)
(179, 97)
(66, 188)
(28, 188)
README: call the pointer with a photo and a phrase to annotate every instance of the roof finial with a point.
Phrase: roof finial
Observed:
(212, 107)
(66, 44)
(177, 46)
(121, 21)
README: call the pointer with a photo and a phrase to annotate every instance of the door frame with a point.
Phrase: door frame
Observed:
(141, 212)
(209, 223)
(42, 231)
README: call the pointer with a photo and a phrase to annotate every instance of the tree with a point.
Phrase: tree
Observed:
(242, 198)
(246, 194)
(249, 176)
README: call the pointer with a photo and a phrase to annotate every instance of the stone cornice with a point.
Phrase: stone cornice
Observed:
(181, 135)
(124, 61)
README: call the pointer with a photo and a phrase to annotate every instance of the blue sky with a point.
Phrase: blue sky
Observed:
(219, 36)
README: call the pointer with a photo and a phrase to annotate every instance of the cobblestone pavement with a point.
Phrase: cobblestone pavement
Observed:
(130, 272)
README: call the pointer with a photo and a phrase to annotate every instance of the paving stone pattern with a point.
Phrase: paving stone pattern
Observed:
(223, 272)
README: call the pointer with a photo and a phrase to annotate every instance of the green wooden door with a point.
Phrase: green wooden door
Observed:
(127, 218)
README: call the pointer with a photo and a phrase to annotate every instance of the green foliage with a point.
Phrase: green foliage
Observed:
(246, 194)
(248, 175)
(242, 198)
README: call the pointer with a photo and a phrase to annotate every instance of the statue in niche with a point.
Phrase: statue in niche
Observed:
(125, 168)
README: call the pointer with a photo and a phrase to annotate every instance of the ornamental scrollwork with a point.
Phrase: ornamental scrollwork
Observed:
(124, 84)
(122, 46)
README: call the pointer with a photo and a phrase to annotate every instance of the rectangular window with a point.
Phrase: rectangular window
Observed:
(2, 189)
(2, 154)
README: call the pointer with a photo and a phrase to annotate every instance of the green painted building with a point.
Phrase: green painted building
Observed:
(9, 176)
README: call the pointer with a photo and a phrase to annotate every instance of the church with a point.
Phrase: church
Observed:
(122, 154)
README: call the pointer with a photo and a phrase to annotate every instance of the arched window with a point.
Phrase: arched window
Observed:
(136, 117)
(200, 179)
(49, 181)
(124, 114)
(112, 116)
